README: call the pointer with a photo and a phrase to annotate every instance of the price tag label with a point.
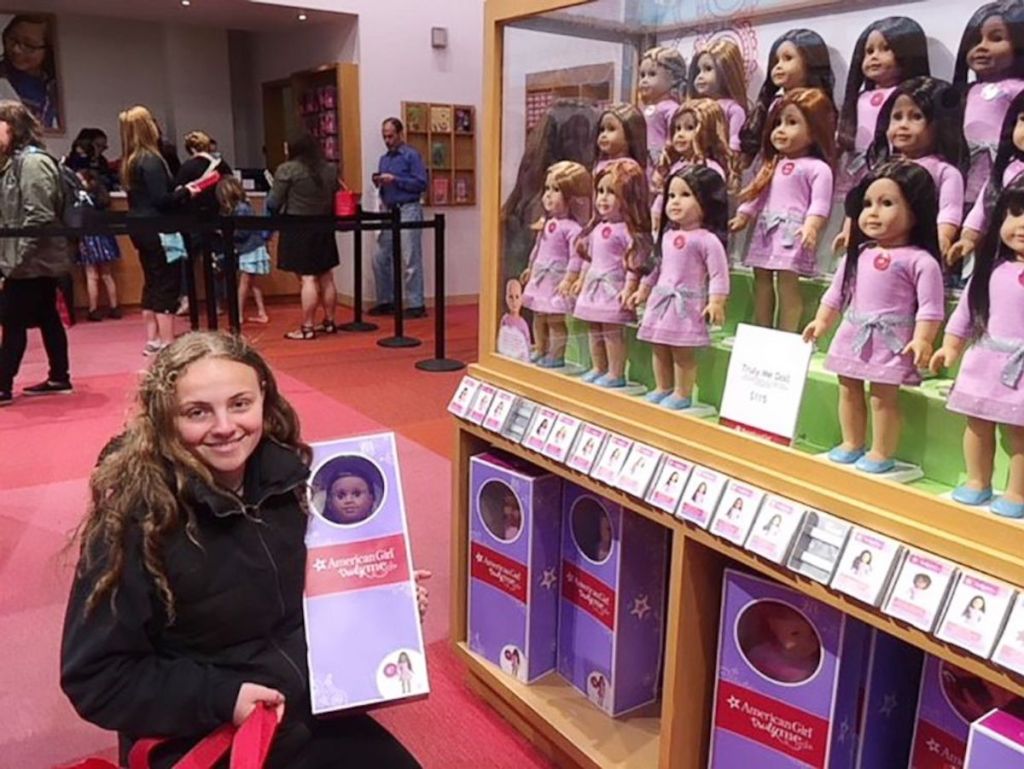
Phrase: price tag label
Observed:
(765, 383)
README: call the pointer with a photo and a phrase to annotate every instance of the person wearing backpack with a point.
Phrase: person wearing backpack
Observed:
(31, 195)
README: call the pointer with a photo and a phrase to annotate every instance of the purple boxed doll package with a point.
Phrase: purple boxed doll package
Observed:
(365, 645)
(514, 548)
(790, 670)
(951, 700)
(996, 741)
(611, 615)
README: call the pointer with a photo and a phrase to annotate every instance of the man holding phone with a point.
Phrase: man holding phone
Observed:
(401, 178)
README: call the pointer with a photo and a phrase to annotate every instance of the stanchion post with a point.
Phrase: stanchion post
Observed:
(399, 339)
(358, 324)
(190, 288)
(210, 280)
(231, 278)
(439, 362)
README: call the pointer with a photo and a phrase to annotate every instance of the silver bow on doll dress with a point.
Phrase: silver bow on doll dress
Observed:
(884, 324)
(1014, 367)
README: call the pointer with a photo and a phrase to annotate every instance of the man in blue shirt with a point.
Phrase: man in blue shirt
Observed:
(401, 178)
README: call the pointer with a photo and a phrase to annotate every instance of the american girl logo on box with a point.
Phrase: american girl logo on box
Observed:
(589, 593)
(369, 563)
(935, 748)
(496, 570)
(771, 723)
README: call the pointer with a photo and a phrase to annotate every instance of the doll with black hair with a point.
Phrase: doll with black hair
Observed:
(1008, 165)
(621, 133)
(888, 51)
(921, 121)
(888, 290)
(992, 47)
(661, 81)
(989, 387)
(799, 58)
(689, 285)
(718, 72)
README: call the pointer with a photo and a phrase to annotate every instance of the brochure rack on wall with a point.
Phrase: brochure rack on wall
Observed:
(675, 734)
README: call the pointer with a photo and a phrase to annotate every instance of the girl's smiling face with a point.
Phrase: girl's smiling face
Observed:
(611, 137)
(790, 70)
(993, 54)
(910, 133)
(880, 65)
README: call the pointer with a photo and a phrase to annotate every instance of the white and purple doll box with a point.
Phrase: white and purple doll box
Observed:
(514, 550)
(951, 700)
(996, 741)
(790, 670)
(611, 616)
(365, 645)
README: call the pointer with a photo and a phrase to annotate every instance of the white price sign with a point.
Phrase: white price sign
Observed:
(765, 383)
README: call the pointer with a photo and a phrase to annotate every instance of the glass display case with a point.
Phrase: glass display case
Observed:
(600, 119)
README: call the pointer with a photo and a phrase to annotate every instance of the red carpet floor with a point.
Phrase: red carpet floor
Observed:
(340, 385)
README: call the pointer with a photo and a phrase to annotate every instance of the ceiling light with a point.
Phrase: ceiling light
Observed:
(302, 16)
(186, 3)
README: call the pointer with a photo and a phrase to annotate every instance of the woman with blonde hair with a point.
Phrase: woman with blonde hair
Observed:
(147, 179)
(718, 72)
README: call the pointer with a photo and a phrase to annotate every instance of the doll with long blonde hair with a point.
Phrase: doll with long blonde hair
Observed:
(615, 247)
(699, 135)
(547, 277)
(660, 86)
(791, 199)
(621, 133)
(718, 72)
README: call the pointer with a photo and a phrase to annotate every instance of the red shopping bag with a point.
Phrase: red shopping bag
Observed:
(249, 745)
(345, 202)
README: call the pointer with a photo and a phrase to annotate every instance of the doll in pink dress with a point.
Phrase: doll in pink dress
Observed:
(921, 121)
(992, 47)
(989, 388)
(621, 134)
(660, 84)
(889, 291)
(789, 201)
(566, 202)
(888, 51)
(405, 672)
(689, 285)
(799, 58)
(1008, 165)
(718, 72)
(614, 249)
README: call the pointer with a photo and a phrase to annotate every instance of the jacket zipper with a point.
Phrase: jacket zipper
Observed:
(280, 599)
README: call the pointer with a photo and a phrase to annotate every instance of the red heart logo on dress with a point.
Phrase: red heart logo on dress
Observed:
(680, 241)
(606, 232)
(882, 262)
(877, 99)
(788, 168)
(552, 226)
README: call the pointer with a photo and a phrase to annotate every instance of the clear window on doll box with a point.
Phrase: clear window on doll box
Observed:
(500, 510)
(971, 697)
(592, 529)
(347, 490)
(778, 642)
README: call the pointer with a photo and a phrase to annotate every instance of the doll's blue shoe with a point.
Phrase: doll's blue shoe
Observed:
(842, 456)
(657, 396)
(610, 381)
(591, 376)
(535, 356)
(875, 466)
(547, 362)
(677, 404)
(1007, 509)
(968, 496)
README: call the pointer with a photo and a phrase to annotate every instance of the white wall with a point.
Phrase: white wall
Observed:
(179, 71)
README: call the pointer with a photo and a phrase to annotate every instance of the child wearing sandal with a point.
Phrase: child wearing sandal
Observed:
(250, 247)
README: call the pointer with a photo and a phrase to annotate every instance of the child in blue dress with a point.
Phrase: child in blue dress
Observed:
(250, 247)
(97, 253)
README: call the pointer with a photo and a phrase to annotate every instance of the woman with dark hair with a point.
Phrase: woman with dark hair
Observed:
(87, 154)
(304, 185)
(29, 67)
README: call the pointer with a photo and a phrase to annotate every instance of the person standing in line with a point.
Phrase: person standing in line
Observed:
(401, 178)
(30, 196)
(304, 185)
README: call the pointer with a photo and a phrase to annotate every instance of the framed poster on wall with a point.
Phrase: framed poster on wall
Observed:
(28, 66)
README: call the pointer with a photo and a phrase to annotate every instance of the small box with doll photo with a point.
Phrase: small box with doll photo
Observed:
(700, 499)
(1010, 650)
(635, 476)
(997, 740)
(463, 120)
(866, 566)
(612, 458)
(561, 438)
(540, 428)
(462, 400)
(502, 406)
(514, 551)
(668, 486)
(588, 445)
(951, 700)
(919, 591)
(975, 613)
(775, 528)
(365, 645)
(736, 511)
(481, 403)
(819, 546)
(328, 97)
(790, 670)
(611, 616)
(522, 413)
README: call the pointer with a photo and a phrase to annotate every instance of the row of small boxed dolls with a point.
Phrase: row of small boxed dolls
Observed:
(564, 580)
(317, 99)
(322, 124)
(964, 607)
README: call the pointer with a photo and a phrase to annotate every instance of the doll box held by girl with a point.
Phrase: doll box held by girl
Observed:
(359, 565)
(976, 612)
(514, 539)
(611, 615)
(790, 669)
(996, 740)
